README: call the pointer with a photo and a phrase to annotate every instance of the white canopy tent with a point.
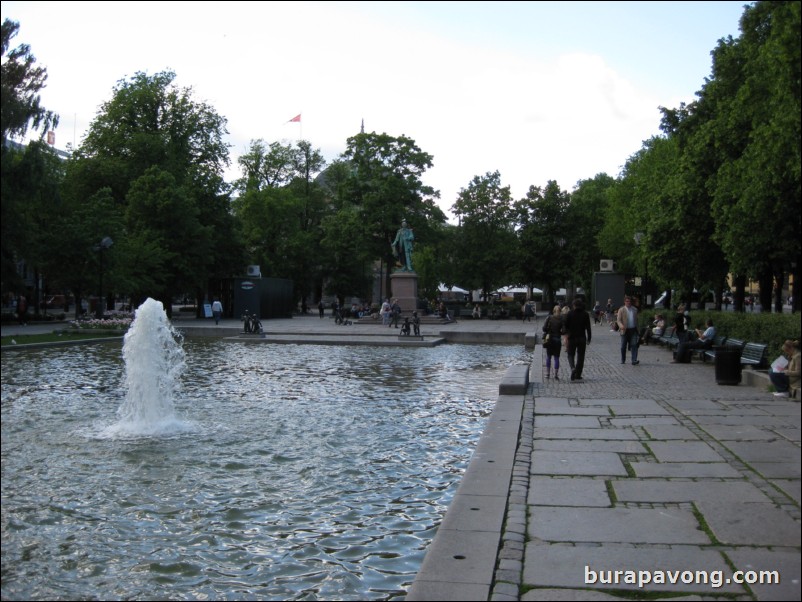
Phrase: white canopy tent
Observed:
(511, 290)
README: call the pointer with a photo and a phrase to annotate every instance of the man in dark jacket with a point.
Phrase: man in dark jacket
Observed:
(577, 326)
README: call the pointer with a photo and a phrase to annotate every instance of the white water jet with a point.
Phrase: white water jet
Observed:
(154, 361)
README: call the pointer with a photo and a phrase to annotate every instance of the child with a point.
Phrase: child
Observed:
(405, 327)
(416, 323)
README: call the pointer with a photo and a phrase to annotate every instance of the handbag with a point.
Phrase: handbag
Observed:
(547, 338)
(615, 326)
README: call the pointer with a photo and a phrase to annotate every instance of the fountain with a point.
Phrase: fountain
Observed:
(154, 362)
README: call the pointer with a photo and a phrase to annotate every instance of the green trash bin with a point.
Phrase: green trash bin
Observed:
(728, 365)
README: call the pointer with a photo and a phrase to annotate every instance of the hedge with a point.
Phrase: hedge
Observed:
(769, 328)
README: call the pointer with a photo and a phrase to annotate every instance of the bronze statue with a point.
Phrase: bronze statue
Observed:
(402, 247)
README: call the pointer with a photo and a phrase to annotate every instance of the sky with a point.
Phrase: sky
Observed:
(537, 91)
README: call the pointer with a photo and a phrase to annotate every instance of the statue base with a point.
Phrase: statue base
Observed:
(404, 287)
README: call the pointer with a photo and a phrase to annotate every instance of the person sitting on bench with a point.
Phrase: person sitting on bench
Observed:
(705, 341)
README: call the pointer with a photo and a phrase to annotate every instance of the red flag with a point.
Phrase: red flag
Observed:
(296, 119)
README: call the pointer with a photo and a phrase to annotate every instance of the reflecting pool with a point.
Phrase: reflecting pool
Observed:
(299, 472)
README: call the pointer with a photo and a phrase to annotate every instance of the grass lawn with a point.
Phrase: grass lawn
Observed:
(55, 337)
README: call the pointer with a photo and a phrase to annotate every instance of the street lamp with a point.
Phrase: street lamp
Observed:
(102, 246)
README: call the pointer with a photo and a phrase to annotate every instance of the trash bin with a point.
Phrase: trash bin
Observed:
(728, 365)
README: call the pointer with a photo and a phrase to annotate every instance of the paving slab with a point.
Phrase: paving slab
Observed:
(667, 431)
(585, 595)
(791, 487)
(631, 525)
(644, 410)
(784, 562)
(639, 421)
(568, 491)
(681, 490)
(743, 523)
(618, 447)
(584, 433)
(543, 422)
(740, 432)
(778, 470)
(684, 451)
(689, 470)
(764, 451)
(577, 463)
(562, 565)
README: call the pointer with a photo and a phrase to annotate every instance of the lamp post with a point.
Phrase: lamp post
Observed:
(102, 246)
(638, 237)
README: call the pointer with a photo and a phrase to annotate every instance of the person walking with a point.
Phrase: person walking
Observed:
(577, 325)
(386, 310)
(395, 314)
(321, 309)
(528, 312)
(552, 343)
(627, 320)
(217, 310)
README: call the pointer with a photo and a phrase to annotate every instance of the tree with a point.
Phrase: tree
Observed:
(21, 107)
(756, 93)
(158, 150)
(26, 174)
(585, 214)
(543, 238)
(486, 241)
(384, 183)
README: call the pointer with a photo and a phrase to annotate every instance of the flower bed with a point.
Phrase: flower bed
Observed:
(114, 321)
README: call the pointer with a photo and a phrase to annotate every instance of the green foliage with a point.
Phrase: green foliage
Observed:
(384, 182)
(21, 82)
(486, 231)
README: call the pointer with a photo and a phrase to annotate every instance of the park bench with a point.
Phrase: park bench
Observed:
(754, 354)
(672, 341)
(718, 341)
(730, 343)
(667, 335)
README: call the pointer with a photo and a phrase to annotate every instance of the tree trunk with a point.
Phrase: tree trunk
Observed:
(740, 293)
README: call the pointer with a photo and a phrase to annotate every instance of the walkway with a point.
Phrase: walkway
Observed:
(638, 475)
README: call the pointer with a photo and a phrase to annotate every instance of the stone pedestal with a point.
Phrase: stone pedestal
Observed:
(404, 287)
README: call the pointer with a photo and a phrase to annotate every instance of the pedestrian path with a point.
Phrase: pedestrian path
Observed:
(647, 480)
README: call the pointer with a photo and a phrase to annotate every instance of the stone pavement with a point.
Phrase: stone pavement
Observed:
(653, 471)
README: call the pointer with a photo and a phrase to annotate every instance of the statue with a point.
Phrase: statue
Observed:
(402, 247)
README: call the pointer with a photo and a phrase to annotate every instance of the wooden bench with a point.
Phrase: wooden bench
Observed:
(711, 353)
(754, 354)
